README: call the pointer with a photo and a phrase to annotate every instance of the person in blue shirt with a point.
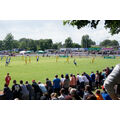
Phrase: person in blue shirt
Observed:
(105, 94)
(56, 85)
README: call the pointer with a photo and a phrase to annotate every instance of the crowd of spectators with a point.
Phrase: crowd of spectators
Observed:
(68, 87)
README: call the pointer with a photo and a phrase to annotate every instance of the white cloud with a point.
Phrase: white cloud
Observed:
(53, 29)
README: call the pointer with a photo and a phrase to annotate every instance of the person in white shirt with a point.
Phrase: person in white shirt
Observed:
(86, 81)
(62, 80)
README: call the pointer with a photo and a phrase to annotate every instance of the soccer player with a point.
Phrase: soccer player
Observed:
(56, 58)
(7, 79)
(93, 59)
(26, 59)
(29, 59)
(75, 63)
(37, 58)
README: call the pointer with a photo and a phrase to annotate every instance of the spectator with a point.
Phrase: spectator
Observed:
(66, 84)
(87, 92)
(92, 79)
(24, 91)
(97, 79)
(7, 79)
(86, 81)
(42, 87)
(105, 94)
(73, 81)
(30, 89)
(112, 80)
(16, 90)
(56, 85)
(98, 95)
(7, 93)
(54, 96)
(80, 82)
(44, 97)
(37, 90)
(62, 94)
(49, 86)
(62, 80)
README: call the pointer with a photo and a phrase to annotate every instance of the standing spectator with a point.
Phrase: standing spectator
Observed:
(107, 71)
(24, 91)
(16, 90)
(7, 79)
(86, 81)
(98, 95)
(37, 90)
(42, 87)
(56, 85)
(92, 79)
(66, 84)
(97, 79)
(62, 80)
(80, 82)
(73, 81)
(30, 89)
(49, 86)
(7, 93)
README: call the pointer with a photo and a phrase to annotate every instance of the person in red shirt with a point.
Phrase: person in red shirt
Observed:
(7, 79)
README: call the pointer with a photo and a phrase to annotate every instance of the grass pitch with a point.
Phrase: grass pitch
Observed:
(48, 67)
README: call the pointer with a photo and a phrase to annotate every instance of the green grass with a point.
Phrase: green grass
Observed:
(48, 67)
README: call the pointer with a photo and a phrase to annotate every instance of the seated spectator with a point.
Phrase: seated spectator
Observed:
(16, 90)
(54, 96)
(7, 93)
(74, 95)
(30, 89)
(24, 91)
(44, 97)
(87, 92)
(42, 87)
(91, 97)
(105, 94)
(62, 94)
(98, 95)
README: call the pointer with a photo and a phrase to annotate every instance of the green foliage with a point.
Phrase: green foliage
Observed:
(68, 42)
(8, 41)
(112, 25)
(86, 42)
(109, 43)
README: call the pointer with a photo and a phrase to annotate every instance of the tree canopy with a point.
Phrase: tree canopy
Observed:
(112, 25)
(109, 43)
(86, 42)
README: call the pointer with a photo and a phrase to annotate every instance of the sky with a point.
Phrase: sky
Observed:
(52, 29)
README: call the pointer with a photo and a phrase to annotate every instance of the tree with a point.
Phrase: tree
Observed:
(8, 41)
(75, 45)
(57, 45)
(68, 42)
(109, 43)
(112, 25)
(86, 42)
